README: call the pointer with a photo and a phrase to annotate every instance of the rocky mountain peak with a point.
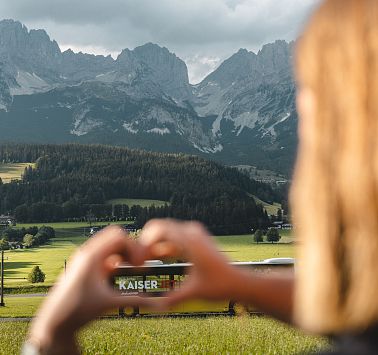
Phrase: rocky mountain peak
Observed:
(240, 113)
(167, 69)
(277, 56)
(235, 68)
(27, 51)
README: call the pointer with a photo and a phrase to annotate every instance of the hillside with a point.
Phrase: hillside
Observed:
(69, 181)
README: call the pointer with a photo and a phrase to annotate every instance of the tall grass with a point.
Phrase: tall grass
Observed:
(215, 335)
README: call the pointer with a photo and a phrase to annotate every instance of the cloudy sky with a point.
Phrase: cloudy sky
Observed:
(201, 32)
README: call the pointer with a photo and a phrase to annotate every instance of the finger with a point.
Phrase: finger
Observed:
(114, 240)
(112, 262)
(161, 238)
(167, 237)
(164, 249)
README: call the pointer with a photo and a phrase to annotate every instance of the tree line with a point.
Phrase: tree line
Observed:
(70, 181)
(25, 237)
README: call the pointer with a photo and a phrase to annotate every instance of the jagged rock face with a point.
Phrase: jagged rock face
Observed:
(5, 96)
(27, 51)
(166, 69)
(252, 91)
(242, 113)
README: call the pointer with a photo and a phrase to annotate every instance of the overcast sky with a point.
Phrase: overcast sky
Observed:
(201, 32)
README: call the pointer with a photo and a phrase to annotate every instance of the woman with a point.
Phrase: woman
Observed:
(334, 202)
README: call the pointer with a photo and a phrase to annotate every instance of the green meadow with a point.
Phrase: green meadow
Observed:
(12, 171)
(141, 202)
(69, 236)
(213, 335)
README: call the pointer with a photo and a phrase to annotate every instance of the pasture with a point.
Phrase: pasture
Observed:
(242, 248)
(16, 307)
(271, 209)
(69, 226)
(213, 335)
(141, 202)
(18, 263)
(12, 171)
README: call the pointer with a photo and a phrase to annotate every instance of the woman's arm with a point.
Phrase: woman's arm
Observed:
(212, 277)
(272, 294)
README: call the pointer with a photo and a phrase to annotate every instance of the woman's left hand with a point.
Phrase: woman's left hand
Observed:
(85, 292)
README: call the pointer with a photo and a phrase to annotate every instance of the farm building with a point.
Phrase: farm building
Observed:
(6, 221)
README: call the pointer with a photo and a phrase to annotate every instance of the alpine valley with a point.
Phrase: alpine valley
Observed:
(243, 113)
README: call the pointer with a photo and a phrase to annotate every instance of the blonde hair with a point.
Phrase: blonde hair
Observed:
(335, 191)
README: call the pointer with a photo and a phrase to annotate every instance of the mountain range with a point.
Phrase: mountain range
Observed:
(242, 113)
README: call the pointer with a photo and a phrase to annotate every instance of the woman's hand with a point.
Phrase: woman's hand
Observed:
(211, 276)
(85, 291)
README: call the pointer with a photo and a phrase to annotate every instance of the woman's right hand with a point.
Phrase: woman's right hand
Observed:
(211, 277)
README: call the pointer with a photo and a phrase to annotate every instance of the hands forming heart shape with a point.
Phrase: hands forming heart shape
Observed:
(84, 292)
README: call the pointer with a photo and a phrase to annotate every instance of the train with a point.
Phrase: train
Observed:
(155, 279)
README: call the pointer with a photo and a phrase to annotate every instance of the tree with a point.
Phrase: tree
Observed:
(36, 275)
(258, 236)
(273, 235)
(29, 240)
(279, 215)
(48, 231)
(21, 213)
(4, 245)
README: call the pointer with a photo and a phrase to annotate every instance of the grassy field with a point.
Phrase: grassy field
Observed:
(20, 306)
(241, 248)
(18, 263)
(50, 258)
(270, 209)
(9, 172)
(221, 335)
(130, 202)
(213, 335)
(70, 225)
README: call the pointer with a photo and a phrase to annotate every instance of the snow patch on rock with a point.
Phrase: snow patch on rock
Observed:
(129, 127)
(209, 150)
(160, 131)
(271, 129)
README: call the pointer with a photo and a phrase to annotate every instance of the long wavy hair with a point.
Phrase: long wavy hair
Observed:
(334, 196)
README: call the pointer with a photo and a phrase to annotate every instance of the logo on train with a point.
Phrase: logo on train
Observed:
(125, 285)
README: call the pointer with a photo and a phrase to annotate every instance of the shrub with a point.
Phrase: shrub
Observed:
(48, 231)
(258, 236)
(273, 235)
(29, 240)
(36, 275)
(4, 245)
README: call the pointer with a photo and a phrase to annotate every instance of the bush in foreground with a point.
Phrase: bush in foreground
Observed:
(36, 275)
(273, 235)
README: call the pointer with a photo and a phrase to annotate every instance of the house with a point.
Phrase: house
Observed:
(6, 221)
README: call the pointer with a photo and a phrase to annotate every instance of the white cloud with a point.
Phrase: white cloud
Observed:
(202, 29)
(200, 66)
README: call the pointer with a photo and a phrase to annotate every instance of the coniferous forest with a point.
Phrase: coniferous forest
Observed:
(69, 182)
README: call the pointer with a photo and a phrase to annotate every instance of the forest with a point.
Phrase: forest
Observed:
(72, 181)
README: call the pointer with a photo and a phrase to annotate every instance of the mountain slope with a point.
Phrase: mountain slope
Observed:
(242, 113)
